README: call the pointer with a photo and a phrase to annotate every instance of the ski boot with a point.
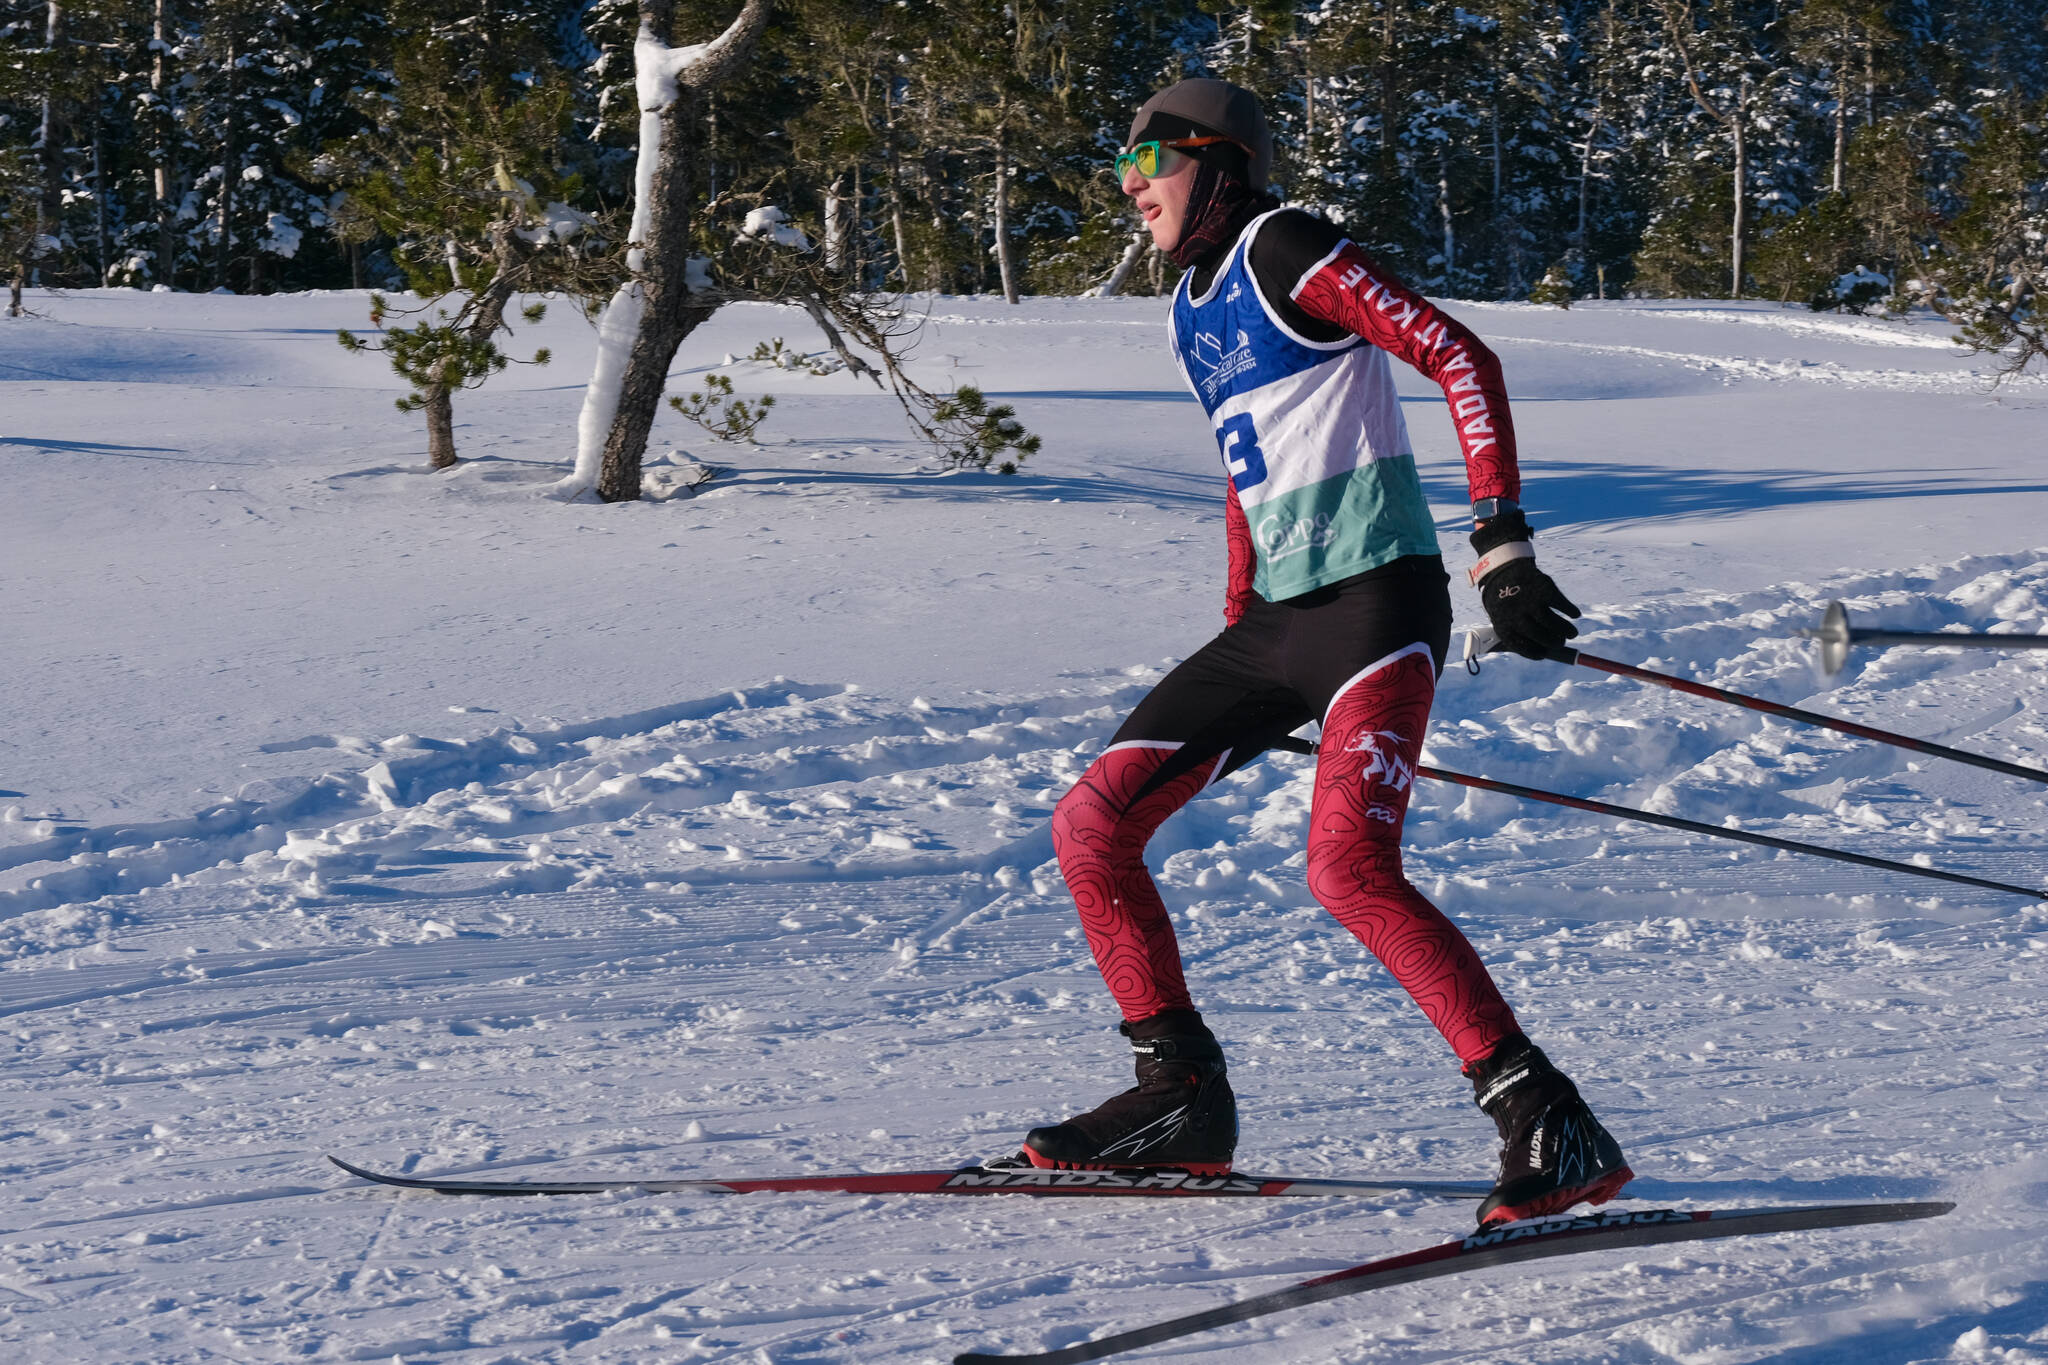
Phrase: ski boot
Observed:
(1181, 1113)
(1553, 1152)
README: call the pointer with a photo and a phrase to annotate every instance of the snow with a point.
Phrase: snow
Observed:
(658, 69)
(348, 806)
(558, 222)
(616, 328)
(644, 163)
(282, 236)
(772, 223)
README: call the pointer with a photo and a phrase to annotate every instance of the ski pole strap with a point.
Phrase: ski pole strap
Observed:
(1483, 640)
(1718, 831)
(1771, 708)
(1497, 556)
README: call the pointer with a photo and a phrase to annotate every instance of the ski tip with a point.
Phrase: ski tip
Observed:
(352, 1170)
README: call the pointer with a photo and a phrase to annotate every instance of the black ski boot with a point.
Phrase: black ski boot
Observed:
(1180, 1114)
(1553, 1152)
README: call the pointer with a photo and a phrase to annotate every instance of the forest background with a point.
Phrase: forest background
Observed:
(1488, 150)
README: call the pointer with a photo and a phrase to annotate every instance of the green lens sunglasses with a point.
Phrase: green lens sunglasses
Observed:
(1146, 156)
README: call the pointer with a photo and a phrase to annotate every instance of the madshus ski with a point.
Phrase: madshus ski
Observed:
(992, 1179)
(1508, 1243)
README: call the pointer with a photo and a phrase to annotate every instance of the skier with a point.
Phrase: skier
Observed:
(1336, 610)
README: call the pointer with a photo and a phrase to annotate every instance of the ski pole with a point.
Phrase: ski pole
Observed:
(1771, 708)
(1719, 831)
(1836, 635)
(1302, 746)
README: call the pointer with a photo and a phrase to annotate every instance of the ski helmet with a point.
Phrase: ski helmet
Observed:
(1203, 107)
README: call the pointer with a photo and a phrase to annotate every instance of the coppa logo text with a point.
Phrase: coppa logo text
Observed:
(1546, 1227)
(1281, 538)
(1031, 1178)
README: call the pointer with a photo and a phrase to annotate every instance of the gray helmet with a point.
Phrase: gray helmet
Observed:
(1210, 106)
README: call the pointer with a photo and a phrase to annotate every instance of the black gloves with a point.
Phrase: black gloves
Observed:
(1520, 600)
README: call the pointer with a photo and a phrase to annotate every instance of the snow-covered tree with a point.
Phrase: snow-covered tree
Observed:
(650, 314)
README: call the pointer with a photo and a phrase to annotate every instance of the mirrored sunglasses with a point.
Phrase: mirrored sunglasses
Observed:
(1147, 156)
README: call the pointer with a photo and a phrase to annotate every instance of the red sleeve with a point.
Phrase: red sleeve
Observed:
(1238, 591)
(1348, 290)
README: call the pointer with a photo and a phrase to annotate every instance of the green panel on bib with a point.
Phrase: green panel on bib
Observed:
(1333, 530)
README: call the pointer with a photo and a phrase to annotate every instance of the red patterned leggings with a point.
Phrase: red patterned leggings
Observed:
(1278, 667)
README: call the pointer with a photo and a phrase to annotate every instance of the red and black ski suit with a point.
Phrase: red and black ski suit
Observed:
(1361, 655)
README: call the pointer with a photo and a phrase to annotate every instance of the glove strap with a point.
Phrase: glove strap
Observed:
(1497, 556)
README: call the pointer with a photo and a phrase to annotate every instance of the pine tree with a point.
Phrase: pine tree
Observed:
(461, 176)
(1992, 269)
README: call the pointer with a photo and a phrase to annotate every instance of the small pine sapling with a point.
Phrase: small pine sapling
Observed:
(464, 185)
(452, 352)
(724, 416)
(1555, 287)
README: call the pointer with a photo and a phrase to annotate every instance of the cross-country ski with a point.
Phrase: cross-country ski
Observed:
(966, 1180)
(1506, 1244)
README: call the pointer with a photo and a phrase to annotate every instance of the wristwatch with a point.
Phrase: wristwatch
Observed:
(1486, 509)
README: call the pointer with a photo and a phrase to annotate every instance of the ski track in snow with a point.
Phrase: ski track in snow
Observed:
(803, 925)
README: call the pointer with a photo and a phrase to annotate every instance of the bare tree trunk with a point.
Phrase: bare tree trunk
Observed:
(231, 152)
(1593, 127)
(894, 167)
(1739, 120)
(856, 233)
(509, 255)
(667, 315)
(1115, 283)
(49, 155)
(896, 228)
(835, 224)
(1586, 169)
(1387, 72)
(1443, 208)
(1841, 119)
(1002, 216)
(710, 148)
(166, 270)
(1678, 22)
(1869, 84)
(1504, 239)
(668, 311)
(440, 410)
(103, 241)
